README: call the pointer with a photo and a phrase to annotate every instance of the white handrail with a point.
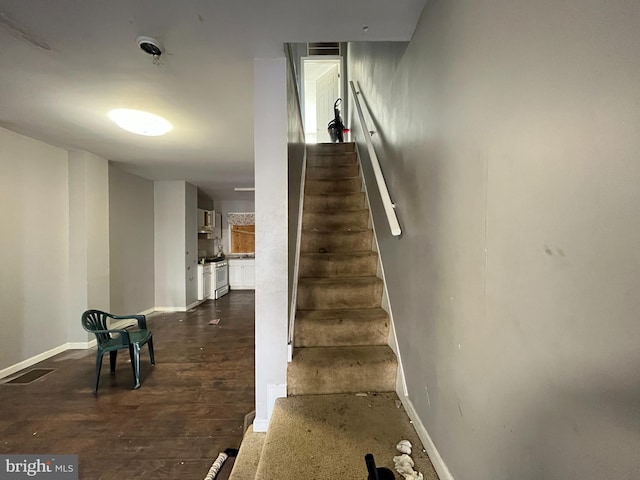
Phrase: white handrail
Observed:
(296, 267)
(389, 206)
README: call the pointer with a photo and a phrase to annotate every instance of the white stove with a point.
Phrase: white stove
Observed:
(220, 280)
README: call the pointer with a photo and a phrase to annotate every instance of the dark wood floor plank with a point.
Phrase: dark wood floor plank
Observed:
(191, 405)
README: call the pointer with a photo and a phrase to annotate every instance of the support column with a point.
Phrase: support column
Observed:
(270, 147)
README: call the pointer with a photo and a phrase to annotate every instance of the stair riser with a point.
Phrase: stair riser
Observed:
(335, 220)
(342, 171)
(338, 266)
(332, 160)
(354, 201)
(332, 147)
(336, 242)
(352, 378)
(339, 295)
(338, 160)
(340, 332)
(342, 185)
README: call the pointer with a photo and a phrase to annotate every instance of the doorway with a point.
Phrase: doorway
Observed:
(321, 87)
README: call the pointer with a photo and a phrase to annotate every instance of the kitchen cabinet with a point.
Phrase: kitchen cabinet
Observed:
(242, 273)
(204, 220)
(205, 278)
(209, 223)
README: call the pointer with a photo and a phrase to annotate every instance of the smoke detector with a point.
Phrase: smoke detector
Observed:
(152, 47)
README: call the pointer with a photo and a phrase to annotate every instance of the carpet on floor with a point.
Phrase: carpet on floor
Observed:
(328, 436)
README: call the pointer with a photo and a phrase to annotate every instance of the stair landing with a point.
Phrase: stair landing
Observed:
(327, 436)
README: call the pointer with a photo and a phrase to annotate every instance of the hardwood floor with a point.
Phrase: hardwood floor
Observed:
(190, 407)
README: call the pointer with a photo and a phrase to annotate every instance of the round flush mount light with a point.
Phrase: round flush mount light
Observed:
(139, 122)
(150, 45)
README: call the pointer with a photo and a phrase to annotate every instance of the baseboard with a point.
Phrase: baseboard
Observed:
(438, 463)
(178, 309)
(260, 425)
(81, 345)
(171, 309)
(274, 391)
(55, 351)
(33, 360)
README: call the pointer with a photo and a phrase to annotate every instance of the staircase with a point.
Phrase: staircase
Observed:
(341, 331)
(323, 429)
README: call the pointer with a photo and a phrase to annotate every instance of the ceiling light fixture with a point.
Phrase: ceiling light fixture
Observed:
(244, 189)
(139, 122)
(152, 47)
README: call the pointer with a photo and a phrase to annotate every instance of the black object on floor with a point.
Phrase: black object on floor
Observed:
(30, 376)
(217, 464)
(377, 473)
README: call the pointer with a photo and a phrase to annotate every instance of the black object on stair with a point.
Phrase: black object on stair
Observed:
(377, 473)
(335, 126)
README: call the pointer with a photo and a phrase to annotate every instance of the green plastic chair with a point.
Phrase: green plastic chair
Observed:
(95, 321)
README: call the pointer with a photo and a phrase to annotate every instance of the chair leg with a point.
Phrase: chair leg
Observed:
(134, 351)
(98, 368)
(113, 354)
(153, 358)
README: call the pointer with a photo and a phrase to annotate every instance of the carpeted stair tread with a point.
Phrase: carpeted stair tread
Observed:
(334, 201)
(332, 160)
(332, 171)
(327, 370)
(332, 242)
(333, 185)
(336, 220)
(331, 148)
(327, 437)
(339, 292)
(245, 465)
(340, 264)
(323, 328)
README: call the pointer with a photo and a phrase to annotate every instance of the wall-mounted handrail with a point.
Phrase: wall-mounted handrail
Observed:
(389, 207)
(296, 266)
(292, 68)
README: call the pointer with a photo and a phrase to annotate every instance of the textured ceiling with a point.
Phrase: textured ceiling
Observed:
(64, 64)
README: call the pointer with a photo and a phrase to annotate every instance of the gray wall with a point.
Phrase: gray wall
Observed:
(176, 244)
(131, 242)
(88, 239)
(34, 253)
(508, 133)
(191, 243)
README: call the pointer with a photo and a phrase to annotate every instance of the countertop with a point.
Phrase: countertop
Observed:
(231, 256)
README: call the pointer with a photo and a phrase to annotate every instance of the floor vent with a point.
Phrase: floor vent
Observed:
(30, 376)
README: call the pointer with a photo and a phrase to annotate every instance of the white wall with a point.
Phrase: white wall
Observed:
(34, 287)
(508, 133)
(176, 246)
(88, 239)
(131, 242)
(191, 244)
(270, 143)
